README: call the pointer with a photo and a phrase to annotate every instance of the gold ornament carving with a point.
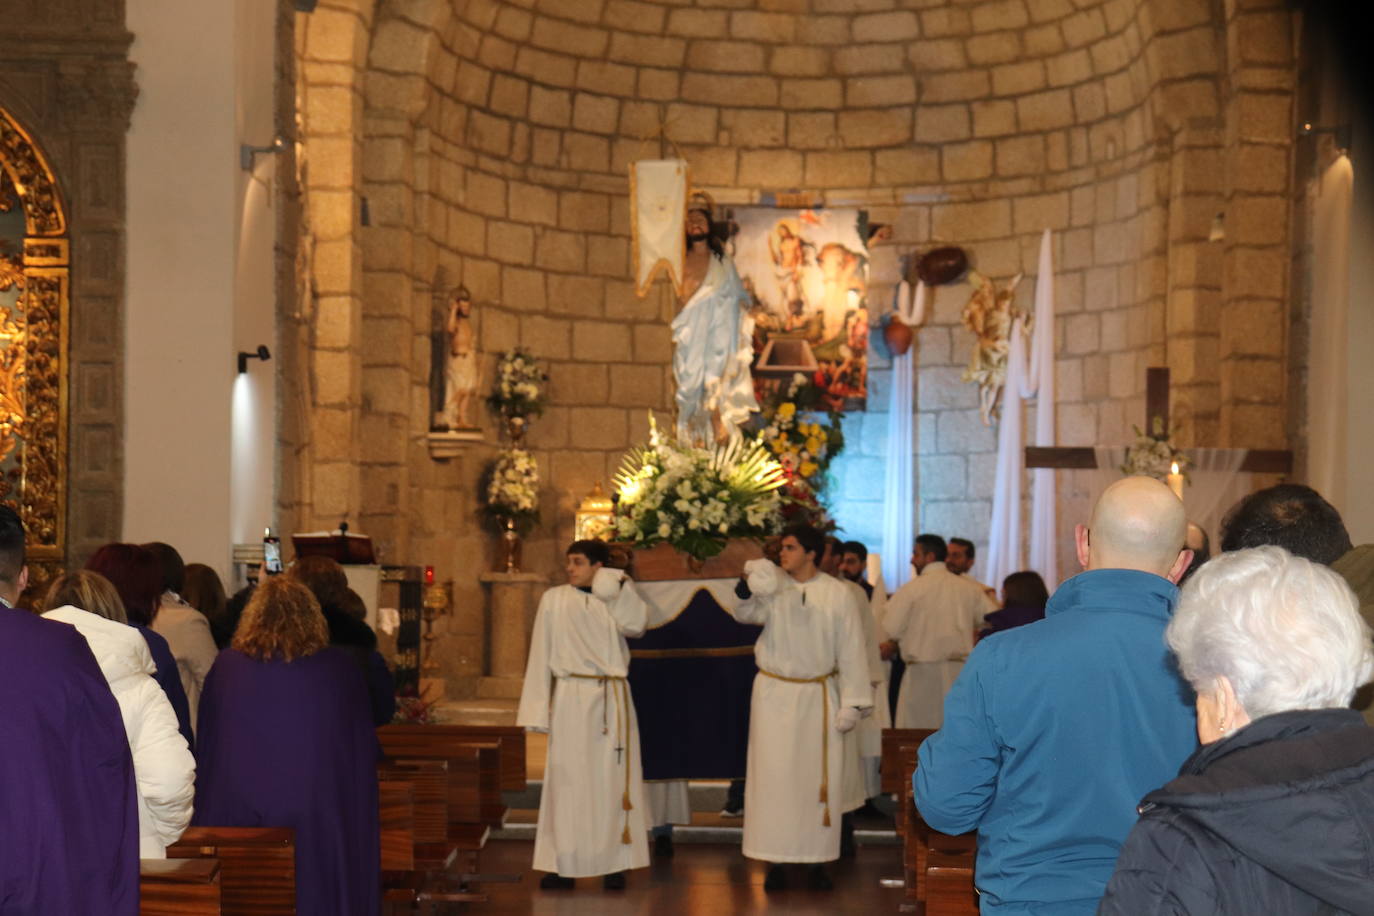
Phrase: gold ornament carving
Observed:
(33, 348)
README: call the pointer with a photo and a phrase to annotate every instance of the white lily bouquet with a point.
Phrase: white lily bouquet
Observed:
(513, 490)
(1153, 457)
(519, 388)
(694, 498)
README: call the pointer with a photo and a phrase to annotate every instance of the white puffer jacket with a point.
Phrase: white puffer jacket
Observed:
(164, 769)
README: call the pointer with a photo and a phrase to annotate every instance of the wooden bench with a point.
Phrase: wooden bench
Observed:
(178, 887)
(418, 854)
(936, 867)
(257, 866)
(476, 774)
(510, 739)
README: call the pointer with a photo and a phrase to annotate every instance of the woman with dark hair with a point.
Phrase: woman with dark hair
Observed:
(348, 631)
(285, 741)
(137, 577)
(1024, 597)
(204, 592)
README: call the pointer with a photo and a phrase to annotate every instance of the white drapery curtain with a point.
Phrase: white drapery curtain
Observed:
(1030, 374)
(899, 507)
(1327, 388)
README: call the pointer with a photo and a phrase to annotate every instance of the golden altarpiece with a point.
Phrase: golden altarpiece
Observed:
(34, 283)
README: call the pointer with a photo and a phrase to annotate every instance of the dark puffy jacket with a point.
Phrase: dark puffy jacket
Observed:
(1276, 819)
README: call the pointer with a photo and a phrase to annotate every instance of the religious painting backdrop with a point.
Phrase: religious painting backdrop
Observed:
(807, 273)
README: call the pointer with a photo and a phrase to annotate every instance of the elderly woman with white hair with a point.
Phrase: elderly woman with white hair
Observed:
(1275, 812)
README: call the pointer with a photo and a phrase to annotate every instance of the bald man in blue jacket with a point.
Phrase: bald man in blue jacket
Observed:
(1055, 730)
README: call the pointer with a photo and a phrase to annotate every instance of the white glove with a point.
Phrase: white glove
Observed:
(846, 719)
(762, 577)
(606, 583)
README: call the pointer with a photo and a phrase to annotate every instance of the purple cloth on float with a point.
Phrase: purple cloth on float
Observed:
(290, 744)
(68, 815)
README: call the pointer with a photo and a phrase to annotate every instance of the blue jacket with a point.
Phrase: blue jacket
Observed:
(1052, 733)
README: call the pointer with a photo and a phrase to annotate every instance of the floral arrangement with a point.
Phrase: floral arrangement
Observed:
(513, 490)
(697, 498)
(416, 710)
(1153, 456)
(804, 445)
(519, 388)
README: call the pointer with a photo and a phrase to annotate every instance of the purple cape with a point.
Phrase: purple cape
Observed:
(290, 744)
(68, 815)
(169, 679)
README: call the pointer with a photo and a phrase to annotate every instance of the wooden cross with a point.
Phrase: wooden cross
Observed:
(1261, 461)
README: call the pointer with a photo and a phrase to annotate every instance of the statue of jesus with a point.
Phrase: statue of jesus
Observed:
(712, 346)
(460, 368)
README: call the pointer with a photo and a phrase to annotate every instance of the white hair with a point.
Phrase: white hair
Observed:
(1285, 631)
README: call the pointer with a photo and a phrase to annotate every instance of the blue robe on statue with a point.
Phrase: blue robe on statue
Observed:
(290, 744)
(68, 808)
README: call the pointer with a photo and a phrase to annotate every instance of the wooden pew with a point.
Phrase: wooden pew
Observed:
(396, 818)
(937, 867)
(417, 855)
(257, 866)
(178, 887)
(510, 738)
(475, 767)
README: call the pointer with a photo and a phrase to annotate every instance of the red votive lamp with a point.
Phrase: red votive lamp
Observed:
(429, 575)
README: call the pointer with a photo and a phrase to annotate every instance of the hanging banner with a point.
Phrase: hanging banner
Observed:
(658, 211)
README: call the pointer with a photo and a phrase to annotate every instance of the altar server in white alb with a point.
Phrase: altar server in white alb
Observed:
(932, 621)
(811, 689)
(591, 812)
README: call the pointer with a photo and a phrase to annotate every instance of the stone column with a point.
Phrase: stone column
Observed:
(511, 602)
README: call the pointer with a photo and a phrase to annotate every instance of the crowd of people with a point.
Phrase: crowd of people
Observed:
(1119, 745)
(136, 699)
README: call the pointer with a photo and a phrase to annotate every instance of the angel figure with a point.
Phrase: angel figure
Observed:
(989, 315)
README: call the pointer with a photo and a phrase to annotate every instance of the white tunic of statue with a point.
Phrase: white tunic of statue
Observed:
(712, 349)
(812, 651)
(591, 812)
(933, 618)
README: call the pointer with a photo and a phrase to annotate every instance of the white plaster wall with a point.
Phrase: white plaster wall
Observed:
(200, 242)
(1358, 507)
(252, 491)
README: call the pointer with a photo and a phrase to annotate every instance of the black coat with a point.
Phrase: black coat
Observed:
(1276, 819)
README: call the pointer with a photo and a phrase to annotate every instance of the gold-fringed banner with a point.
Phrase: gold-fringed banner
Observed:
(658, 210)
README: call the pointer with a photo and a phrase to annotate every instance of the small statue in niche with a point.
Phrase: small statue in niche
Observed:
(989, 316)
(460, 363)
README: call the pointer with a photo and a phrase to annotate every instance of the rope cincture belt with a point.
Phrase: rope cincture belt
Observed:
(825, 732)
(619, 688)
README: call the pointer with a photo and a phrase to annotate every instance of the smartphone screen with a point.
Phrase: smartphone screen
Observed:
(271, 556)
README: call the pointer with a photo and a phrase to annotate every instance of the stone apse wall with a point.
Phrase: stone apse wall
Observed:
(490, 140)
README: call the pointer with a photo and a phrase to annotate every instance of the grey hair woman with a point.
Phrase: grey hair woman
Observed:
(1277, 806)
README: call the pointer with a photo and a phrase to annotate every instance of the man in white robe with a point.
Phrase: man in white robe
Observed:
(960, 560)
(853, 564)
(591, 811)
(812, 688)
(932, 621)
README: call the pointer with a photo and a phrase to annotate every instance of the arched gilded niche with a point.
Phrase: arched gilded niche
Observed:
(34, 277)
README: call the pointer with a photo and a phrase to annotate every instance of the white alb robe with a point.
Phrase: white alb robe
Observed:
(865, 743)
(575, 687)
(812, 635)
(933, 619)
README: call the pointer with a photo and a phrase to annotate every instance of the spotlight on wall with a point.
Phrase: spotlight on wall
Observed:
(261, 353)
(248, 153)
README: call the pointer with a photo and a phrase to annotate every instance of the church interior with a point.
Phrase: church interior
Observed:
(232, 236)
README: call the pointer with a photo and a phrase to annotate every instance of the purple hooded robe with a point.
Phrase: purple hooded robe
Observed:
(68, 808)
(290, 744)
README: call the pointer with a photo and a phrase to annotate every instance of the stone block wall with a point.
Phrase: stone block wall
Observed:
(494, 138)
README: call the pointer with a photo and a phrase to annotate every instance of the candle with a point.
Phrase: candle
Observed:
(1175, 480)
(429, 573)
